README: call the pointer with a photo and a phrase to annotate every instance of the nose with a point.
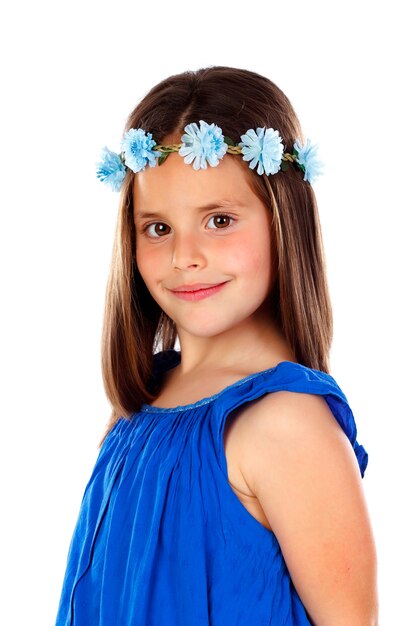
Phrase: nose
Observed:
(187, 250)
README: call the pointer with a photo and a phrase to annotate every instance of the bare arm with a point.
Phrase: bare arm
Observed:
(301, 466)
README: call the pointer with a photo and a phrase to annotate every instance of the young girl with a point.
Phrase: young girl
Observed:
(227, 490)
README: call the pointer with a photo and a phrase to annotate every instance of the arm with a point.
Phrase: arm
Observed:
(301, 466)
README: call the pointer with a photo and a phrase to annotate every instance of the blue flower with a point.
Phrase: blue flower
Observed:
(137, 146)
(307, 158)
(202, 145)
(264, 148)
(110, 169)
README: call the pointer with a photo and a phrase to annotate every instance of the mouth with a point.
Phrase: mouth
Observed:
(199, 294)
(195, 286)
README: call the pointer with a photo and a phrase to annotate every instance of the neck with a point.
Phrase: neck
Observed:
(255, 344)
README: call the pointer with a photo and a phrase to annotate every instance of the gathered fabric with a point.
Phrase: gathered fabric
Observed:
(161, 537)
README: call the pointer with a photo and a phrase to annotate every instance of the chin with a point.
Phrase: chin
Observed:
(210, 326)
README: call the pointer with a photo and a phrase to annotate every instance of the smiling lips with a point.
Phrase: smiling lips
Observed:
(195, 286)
(198, 291)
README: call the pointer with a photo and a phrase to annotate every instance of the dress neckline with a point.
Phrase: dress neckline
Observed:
(206, 400)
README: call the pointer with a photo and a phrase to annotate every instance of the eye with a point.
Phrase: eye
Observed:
(145, 229)
(223, 216)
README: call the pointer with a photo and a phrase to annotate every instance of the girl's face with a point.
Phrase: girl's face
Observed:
(207, 226)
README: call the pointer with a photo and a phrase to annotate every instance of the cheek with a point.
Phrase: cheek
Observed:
(145, 265)
(148, 267)
(251, 255)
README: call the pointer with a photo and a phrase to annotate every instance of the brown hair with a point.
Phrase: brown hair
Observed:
(134, 324)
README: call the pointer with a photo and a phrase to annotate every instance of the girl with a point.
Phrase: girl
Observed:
(227, 490)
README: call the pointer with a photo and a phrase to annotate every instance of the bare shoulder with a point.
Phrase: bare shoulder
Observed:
(280, 412)
(294, 424)
(298, 462)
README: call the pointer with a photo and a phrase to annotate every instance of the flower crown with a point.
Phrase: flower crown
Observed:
(207, 144)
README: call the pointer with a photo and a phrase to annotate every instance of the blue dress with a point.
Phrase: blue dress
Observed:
(162, 539)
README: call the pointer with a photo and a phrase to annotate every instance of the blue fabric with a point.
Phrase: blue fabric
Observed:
(162, 539)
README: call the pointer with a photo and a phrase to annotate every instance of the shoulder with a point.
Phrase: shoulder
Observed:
(292, 429)
(299, 463)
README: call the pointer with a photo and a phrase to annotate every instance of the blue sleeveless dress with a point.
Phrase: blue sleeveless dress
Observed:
(162, 539)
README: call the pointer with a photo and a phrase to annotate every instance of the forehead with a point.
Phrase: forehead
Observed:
(179, 184)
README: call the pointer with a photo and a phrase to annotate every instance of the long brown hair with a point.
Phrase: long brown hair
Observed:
(134, 324)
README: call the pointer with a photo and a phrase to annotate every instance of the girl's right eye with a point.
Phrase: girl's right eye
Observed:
(145, 229)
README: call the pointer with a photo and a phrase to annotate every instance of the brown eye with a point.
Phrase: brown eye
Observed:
(158, 229)
(222, 221)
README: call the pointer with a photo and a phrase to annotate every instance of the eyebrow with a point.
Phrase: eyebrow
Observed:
(221, 204)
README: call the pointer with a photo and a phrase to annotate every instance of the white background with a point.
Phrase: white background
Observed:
(71, 75)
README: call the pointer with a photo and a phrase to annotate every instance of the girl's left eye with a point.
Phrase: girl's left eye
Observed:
(223, 215)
